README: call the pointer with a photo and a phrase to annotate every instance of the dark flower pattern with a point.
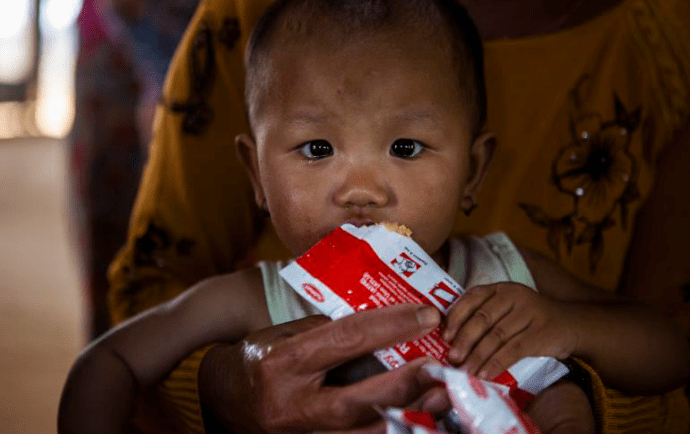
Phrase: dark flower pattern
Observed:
(149, 249)
(593, 169)
(229, 32)
(598, 172)
(197, 114)
(559, 228)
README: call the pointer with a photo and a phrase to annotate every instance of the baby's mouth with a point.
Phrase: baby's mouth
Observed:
(360, 221)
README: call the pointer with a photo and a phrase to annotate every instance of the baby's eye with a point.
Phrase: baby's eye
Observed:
(316, 149)
(406, 148)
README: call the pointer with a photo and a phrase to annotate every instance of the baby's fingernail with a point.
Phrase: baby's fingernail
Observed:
(482, 375)
(428, 316)
(447, 335)
(455, 355)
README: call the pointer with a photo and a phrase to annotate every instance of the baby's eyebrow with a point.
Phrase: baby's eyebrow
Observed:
(306, 118)
(415, 116)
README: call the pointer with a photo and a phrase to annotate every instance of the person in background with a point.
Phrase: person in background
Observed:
(125, 49)
(591, 172)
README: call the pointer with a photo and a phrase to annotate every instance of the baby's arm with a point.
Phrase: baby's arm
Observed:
(105, 379)
(633, 348)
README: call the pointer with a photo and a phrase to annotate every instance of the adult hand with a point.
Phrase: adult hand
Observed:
(273, 380)
(493, 326)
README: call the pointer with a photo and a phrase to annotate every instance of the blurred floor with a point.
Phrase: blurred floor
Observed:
(40, 289)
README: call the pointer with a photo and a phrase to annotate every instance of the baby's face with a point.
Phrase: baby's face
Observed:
(373, 131)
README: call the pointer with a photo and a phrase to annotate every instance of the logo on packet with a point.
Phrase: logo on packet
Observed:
(313, 292)
(443, 294)
(405, 265)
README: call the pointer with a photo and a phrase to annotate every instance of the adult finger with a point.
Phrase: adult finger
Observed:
(464, 307)
(336, 408)
(324, 347)
(397, 388)
(291, 328)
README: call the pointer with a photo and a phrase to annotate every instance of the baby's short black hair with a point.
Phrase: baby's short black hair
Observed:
(356, 16)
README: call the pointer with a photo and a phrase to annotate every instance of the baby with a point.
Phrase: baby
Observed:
(363, 111)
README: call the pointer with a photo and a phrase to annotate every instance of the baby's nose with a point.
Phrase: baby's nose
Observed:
(362, 188)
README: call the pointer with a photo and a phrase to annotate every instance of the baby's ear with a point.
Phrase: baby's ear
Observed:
(246, 150)
(481, 155)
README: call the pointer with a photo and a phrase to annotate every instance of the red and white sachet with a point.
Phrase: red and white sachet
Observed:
(529, 376)
(354, 269)
(401, 421)
(482, 406)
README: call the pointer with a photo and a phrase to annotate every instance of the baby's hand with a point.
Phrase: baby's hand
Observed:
(493, 326)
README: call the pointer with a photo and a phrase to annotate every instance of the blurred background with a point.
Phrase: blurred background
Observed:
(79, 81)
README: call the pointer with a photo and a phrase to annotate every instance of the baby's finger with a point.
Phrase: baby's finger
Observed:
(501, 333)
(513, 350)
(465, 307)
(479, 324)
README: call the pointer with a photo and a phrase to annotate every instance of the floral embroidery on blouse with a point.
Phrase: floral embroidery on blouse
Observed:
(149, 249)
(598, 171)
(196, 112)
(229, 32)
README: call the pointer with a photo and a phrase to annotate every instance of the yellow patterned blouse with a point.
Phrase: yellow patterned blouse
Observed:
(581, 117)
